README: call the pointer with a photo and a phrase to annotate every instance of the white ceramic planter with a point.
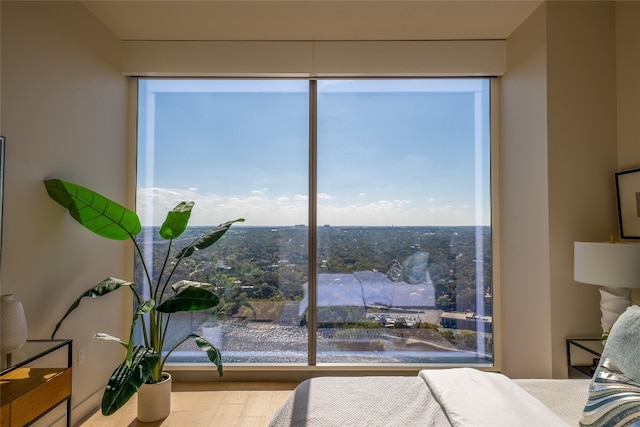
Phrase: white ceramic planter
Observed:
(154, 400)
(13, 330)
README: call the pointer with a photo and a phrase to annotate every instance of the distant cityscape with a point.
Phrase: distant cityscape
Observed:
(384, 294)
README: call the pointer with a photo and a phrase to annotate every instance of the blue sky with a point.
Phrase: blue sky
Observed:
(390, 152)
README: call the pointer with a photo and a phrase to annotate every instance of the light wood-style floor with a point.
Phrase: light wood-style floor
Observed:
(195, 404)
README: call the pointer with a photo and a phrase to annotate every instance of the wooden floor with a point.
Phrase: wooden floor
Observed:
(195, 404)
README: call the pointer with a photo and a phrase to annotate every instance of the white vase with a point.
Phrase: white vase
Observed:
(154, 400)
(13, 324)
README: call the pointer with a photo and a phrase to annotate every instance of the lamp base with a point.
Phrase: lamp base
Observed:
(613, 302)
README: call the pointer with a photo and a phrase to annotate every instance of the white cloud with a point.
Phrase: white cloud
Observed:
(258, 210)
(261, 191)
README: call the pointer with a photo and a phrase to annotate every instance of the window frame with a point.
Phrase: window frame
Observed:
(300, 372)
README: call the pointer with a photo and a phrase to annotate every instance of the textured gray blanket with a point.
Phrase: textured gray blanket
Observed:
(401, 401)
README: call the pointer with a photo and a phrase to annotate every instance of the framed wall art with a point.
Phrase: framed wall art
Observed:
(628, 193)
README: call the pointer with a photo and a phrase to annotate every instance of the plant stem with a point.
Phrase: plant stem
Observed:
(144, 324)
(148, 276)
(173, 270)
(164, 265)
(164, 359)
(164, 331)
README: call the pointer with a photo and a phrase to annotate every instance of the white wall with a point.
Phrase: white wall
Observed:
(524, 205)
(0, 70)
(559, 154)
(581, 94)
(64, 106)
(627, 15)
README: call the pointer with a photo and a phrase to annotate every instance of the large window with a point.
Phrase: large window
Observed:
(368, 215)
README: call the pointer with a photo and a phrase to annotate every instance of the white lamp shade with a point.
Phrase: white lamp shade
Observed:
(614, 265)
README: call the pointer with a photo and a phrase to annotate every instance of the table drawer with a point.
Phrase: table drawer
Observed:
(38, 400)
(6, 415)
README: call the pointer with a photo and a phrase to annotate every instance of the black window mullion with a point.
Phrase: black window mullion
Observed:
(312, 323)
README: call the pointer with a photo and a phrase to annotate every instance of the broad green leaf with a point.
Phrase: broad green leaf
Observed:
(189, 298)
(212, 352)
(108, 285)
(208, 239)
(176, 221)
(107, 337)
(126, 380)
(145, 307)
(183, 284)
(94, 211)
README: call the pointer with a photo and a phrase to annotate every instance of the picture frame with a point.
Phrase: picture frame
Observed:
(628, 195)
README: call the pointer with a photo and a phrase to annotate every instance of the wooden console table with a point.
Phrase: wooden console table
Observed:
(35, 380)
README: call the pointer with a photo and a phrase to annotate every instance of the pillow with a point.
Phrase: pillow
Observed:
(614, 399)
(614, 391)
(623, 343)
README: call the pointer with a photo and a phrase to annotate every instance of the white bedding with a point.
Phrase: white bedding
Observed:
(463, 395)
(409, 402)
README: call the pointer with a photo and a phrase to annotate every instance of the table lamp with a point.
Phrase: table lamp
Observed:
(615, 267)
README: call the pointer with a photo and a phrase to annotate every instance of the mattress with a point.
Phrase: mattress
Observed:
(403, 401)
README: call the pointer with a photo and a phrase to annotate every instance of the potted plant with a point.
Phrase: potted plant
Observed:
(144, 362)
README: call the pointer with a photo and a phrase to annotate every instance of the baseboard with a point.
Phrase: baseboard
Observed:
(82, 411)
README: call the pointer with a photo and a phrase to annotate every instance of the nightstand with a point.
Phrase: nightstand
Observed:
(580, 356)
(35, 379)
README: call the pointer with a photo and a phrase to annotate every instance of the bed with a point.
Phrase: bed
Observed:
(470, 397)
